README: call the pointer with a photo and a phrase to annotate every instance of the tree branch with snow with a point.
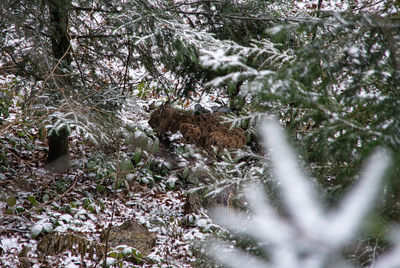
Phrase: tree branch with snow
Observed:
(308, 234)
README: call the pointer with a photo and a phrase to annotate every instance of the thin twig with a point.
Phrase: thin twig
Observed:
(127, 65)
(93, 9)
(317, 15)
(113, 205)
(252, 18)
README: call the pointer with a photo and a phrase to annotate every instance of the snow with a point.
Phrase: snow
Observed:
(342, 6)
(354, 51)
(66, 218)
(176, 136)
(275, 30)
(10, 245)
(153, 208)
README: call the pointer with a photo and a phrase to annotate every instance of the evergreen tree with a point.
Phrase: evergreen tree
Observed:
(63, 56)
(167, 37)
(301, 233)
(336, 90)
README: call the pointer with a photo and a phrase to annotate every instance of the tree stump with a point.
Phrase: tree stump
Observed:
(58, 159)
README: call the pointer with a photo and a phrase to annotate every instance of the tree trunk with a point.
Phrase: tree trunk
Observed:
(58, 158)
(59, 29)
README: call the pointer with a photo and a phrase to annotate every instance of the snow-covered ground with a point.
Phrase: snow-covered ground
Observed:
(159, 210)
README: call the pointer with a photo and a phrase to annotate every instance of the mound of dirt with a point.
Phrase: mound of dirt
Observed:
(204, 130)
(133, 234)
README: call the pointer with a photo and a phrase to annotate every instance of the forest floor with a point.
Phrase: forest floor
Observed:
(36, 204)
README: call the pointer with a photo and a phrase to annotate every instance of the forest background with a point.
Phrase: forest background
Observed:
(79, 80)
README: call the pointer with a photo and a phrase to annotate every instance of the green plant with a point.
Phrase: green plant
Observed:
(4, 107)
(12, 205)
(125, 253)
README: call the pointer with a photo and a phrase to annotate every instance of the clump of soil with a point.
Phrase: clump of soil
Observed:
(204, 130)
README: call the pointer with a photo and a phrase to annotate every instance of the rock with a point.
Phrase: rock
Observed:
(198, 109)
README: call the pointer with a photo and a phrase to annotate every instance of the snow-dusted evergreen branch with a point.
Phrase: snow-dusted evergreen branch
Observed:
(250, 120)
(87, 121)
(245, 63)
(310, 235)
(391, 259)
(157, 27)
(234, 171)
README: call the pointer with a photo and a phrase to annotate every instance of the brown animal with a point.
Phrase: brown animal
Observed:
(204, 130)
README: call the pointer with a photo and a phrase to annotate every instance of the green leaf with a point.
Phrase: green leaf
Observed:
(143, 140)
(155, 147)
(19, 209)
(33, 200)
(120, 255)
(185, 173)
(113, 254)
(152, 146)
(137, 253)
(126, 165)
(11, 201)
(138, 155)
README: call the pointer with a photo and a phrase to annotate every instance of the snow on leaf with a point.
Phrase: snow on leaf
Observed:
(36, 230)
(65, 218)
(47, 227)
